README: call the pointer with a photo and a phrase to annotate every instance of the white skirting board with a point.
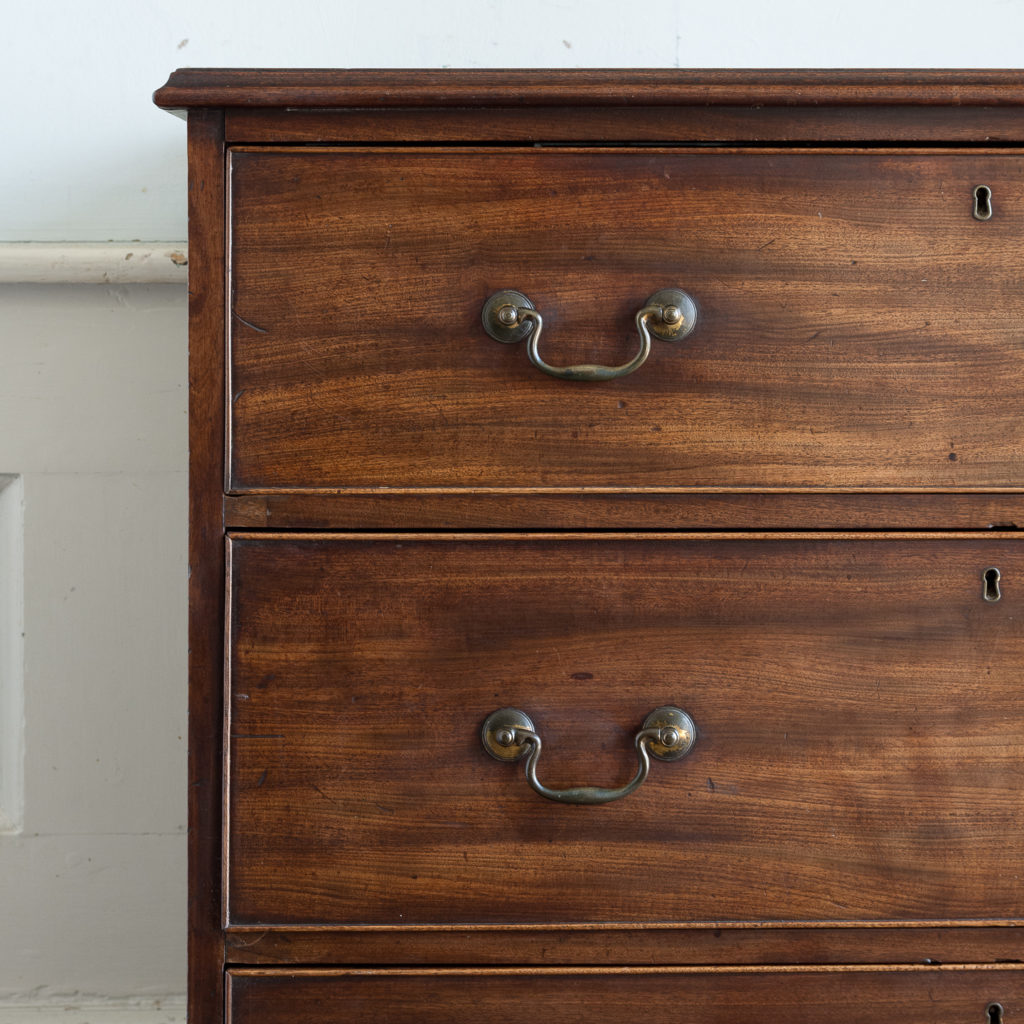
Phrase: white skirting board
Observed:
(156, 1011)
(93, 263)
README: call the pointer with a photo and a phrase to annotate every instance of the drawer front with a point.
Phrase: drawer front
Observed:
(857, 326)
(858, 754)
(861, 996)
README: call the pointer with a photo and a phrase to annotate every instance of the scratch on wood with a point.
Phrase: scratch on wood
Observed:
(247, 324)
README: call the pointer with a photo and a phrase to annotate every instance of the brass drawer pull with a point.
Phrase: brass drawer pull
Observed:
(509, 735)
(509, 316)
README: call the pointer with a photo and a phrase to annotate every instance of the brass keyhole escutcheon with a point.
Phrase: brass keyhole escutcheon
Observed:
(982, 202)
(992, 591)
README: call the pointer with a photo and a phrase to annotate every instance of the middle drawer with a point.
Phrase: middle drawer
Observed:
(858, 747)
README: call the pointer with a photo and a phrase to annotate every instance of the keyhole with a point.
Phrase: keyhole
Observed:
(995, 1013)
(991, 591)
(982, 202)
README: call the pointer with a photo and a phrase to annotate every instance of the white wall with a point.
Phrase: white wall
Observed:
(92, 400)
(85, 156)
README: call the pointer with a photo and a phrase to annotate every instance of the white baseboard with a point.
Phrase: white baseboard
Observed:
(157, 1011)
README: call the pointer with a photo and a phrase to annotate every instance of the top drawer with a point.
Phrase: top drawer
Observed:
(857, 326)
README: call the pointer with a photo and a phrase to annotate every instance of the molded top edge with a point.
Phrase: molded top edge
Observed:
(310, 88)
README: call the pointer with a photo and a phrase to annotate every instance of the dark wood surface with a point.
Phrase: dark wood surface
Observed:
(859, 753)
(723, 943)
(858, 327)
(857, 767)
(316, 88)
(821, 123)
(607, 106)
(205, 560)
(651, 509)
(723, 996)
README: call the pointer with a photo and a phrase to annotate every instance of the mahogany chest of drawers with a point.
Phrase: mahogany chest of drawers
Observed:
(670, 420)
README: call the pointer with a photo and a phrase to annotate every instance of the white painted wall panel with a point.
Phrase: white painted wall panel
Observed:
(92, 415)
(85, 911)
(93, 379)
(106, 667)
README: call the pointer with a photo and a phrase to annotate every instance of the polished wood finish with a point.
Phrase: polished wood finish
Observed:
(839, 294)
(766, 106)
(646, 509)
(780, 524)
(206, 201)
(383, 89)
(920, 995)
(686, 124)
(855, 704)
(725, 943)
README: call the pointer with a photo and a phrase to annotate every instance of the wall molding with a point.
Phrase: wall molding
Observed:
(93, 263)
(135, 1011)
(12, 653)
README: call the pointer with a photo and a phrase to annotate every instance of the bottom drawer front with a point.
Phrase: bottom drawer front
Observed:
(911, 995)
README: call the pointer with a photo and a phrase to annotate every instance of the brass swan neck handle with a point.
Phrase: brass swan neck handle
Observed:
(509, 316)
(667, 733)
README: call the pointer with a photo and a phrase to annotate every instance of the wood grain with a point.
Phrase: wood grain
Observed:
(721, 943)
(872, 996)
(206, 188)
(819, 123)
(853, 798)
(621, 87)
(858, 327)
(651, 509)
(859, 753)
